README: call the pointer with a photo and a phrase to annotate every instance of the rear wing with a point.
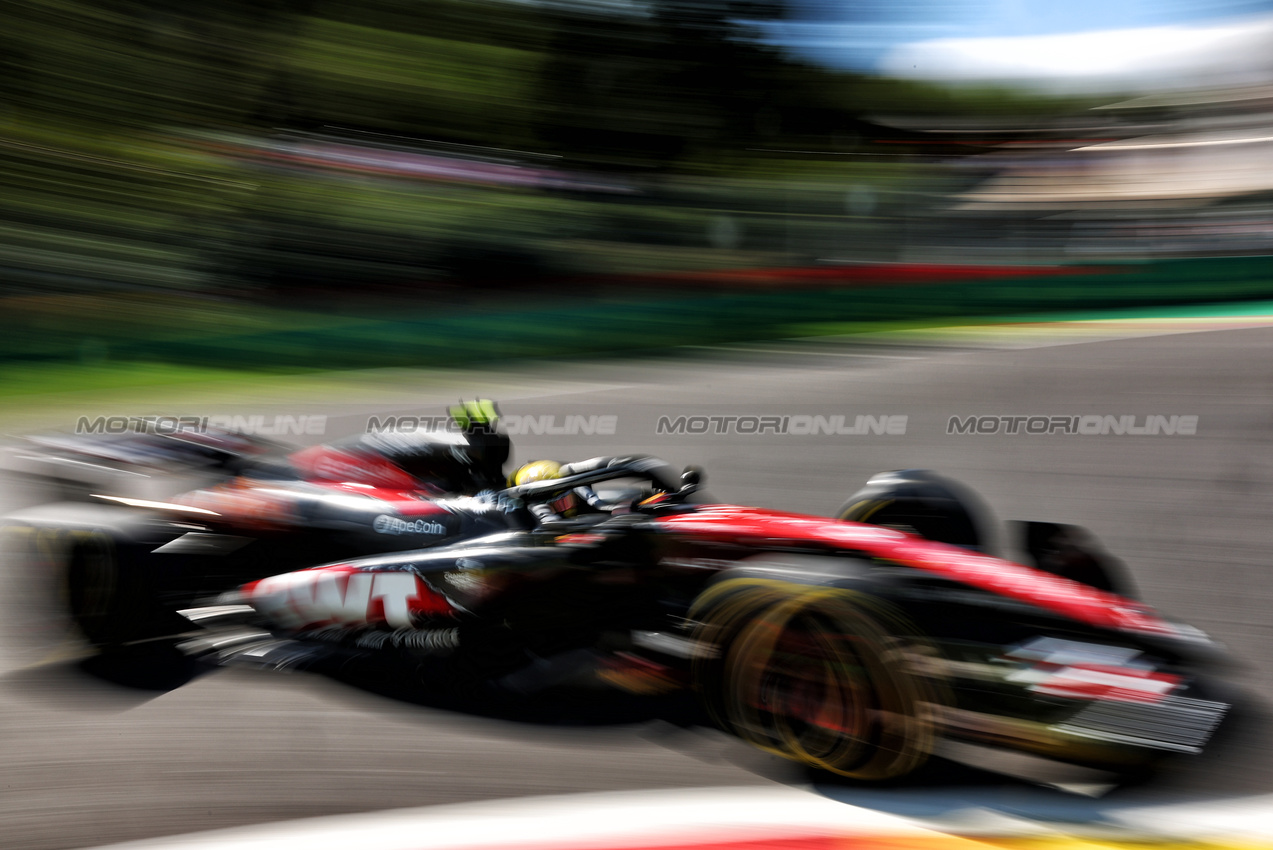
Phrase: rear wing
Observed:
(155, 450)
(132, 462)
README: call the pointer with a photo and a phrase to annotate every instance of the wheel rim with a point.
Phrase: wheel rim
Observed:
(818, 680)
(724, 612)
(810, 690)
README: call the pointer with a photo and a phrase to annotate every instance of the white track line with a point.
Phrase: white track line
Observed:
(717, 816)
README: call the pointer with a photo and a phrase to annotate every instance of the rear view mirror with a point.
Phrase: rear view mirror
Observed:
(691, 480)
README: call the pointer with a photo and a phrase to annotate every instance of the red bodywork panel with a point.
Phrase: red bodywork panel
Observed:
(758, 527)
(324, 464)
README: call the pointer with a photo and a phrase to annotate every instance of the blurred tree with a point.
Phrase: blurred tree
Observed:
(141, 62)
(437, 69)
(111, 175)
(675, 84)
(649, 84)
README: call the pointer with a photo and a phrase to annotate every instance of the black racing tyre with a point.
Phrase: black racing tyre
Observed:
(925, 503)
(102, 594)
(1072, 552)
(34, 615)
(81, 572)
(833, 679)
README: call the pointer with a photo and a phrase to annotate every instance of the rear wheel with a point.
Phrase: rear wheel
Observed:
(87, 577)
(95, 595)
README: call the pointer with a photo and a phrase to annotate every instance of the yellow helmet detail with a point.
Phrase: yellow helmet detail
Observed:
(539, 470)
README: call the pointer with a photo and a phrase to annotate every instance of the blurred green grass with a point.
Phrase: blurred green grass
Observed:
(57, 343)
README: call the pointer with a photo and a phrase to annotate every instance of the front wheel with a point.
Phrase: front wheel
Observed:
(922, 502)
(833, 679)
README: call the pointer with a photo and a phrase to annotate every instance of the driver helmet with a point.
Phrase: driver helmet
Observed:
(564, 505)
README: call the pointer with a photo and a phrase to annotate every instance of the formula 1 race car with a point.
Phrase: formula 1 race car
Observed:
(857, 647)
(258, 509)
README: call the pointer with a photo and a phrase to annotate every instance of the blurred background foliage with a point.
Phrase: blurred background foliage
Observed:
(177, 172)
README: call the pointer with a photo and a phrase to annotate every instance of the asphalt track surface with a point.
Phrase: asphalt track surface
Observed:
(87, 761)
